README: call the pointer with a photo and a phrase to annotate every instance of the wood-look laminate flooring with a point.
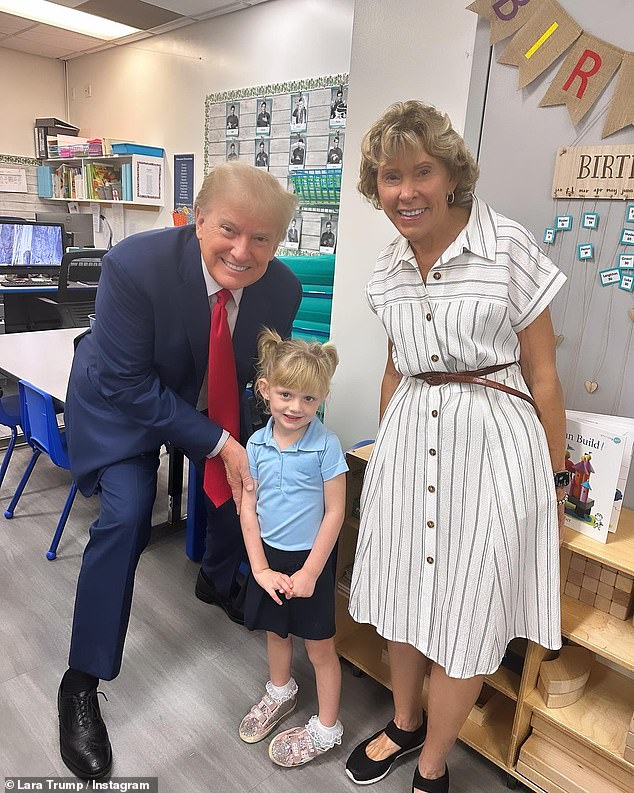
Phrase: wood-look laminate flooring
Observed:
(188, 676)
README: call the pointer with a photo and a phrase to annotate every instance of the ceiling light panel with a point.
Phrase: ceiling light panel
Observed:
(66, 18)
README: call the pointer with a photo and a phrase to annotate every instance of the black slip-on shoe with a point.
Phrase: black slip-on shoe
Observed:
(208, 593)
(364, 771)
(83, 737)
(440, 785)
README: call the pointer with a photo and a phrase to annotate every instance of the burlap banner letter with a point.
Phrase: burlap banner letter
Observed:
(583, 76)
(547, 34)
(621, 111)
(505, 16)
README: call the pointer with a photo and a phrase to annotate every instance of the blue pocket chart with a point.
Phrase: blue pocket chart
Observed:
(627, 237)
(590, 220)
(627, 282)
(585, 250)
(563, 222)
(609, 277)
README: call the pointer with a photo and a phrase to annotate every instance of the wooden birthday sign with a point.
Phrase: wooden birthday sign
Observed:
(594, 172)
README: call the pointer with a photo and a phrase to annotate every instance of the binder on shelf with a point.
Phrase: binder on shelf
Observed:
(44, 181)
(56, 122)
(44, 130)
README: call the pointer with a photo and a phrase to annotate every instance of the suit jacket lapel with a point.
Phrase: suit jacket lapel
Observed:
(194, 305)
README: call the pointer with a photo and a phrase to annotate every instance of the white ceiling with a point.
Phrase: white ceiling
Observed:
(152, 16)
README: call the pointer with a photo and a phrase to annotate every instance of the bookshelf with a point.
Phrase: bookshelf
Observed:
(586, 737)
(132, 179)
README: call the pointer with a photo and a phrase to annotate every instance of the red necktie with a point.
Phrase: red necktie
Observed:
(222, 393)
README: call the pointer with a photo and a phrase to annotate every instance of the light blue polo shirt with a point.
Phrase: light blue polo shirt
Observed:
(290, 494)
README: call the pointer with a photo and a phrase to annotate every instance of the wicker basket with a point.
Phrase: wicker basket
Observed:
(321, 186)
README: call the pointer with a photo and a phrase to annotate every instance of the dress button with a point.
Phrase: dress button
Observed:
(432, 452)
(437, 276)
(430, 524)
(428, 317)
(431, 489)
(435, 358)
(434, 413)
(430, 560)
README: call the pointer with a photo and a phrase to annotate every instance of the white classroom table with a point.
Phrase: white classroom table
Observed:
(42, 357)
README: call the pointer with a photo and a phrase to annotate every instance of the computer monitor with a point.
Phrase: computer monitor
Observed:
(28, 247)
(79, 225)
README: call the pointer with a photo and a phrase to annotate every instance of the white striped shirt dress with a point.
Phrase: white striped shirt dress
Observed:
(458, 548)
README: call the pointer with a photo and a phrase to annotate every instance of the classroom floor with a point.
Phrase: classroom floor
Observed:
(188, 677)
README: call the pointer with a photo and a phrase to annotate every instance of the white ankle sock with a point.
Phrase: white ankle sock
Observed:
(282, 693)
(325, 737)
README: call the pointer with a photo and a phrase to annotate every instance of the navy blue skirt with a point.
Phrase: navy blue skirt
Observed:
(307, 618)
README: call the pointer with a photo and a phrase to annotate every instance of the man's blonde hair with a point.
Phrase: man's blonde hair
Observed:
(255, 186)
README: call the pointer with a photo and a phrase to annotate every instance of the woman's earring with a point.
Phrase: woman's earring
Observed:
(451, 198)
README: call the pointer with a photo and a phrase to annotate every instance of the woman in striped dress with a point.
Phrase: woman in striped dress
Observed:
(458, 548)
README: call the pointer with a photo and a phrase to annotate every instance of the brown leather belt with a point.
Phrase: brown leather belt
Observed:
(476, 377)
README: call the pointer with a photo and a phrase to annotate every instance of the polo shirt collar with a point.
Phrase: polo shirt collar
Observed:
(478, 237)
(313, 440)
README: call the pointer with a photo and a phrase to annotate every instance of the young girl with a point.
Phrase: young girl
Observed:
(290, 522)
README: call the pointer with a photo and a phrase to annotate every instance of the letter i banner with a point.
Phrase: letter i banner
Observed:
(583, 76)
(621, 112)
(547, 35)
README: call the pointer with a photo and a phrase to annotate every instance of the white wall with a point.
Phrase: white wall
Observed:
(401, 49)
(154, 91)
(32, 87)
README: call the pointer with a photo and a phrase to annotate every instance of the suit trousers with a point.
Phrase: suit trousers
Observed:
(224, 548)
(126, 491)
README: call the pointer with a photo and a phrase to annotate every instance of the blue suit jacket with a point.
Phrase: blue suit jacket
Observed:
(136, 376)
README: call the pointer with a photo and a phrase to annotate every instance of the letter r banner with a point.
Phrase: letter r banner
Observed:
(583, 76)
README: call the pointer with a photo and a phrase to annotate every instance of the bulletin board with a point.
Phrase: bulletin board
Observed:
(287, 128)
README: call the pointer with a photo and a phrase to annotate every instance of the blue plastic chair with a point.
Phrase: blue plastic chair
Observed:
(9, 417)
(39, 423)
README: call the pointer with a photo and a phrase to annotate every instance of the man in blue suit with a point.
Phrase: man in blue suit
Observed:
(139, 381)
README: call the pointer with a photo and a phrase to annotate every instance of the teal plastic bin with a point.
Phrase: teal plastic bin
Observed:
(315, 309)
(318, 270)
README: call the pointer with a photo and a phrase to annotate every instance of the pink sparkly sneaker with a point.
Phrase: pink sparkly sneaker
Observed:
(265, 716)
(300, 745)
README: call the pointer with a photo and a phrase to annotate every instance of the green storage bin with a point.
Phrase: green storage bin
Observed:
(315, 309)
(312, 269)
(311, 331)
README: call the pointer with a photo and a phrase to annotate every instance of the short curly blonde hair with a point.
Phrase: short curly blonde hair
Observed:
(414, 125)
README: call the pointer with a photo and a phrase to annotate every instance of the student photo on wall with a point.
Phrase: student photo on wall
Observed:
(233, 150)
(263, 120)
(297, 152)
(334, 158)
(338, 106)
(262, 153)
(327, 237)
(294, 233)
(233, 118)
(299, 112)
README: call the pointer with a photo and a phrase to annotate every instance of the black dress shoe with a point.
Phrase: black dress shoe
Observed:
(208, 593)
(440, 785)
(364, 771)
(83, 737)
